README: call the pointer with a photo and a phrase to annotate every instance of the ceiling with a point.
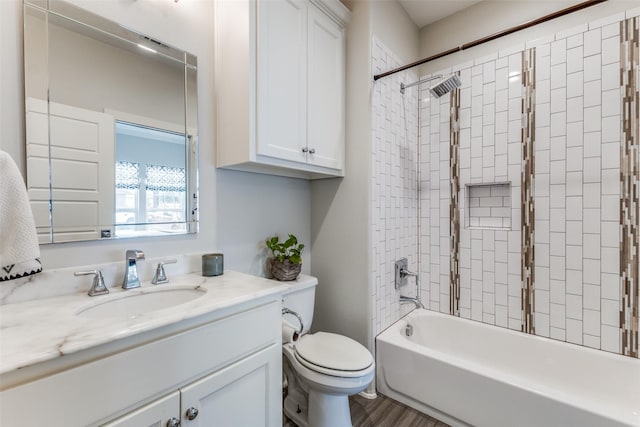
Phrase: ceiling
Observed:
(424, 12)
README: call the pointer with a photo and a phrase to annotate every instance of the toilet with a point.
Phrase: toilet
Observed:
(322, 369)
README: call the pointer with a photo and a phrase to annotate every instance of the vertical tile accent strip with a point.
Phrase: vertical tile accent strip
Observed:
(527, 188)
(629, 186)
(454, 207)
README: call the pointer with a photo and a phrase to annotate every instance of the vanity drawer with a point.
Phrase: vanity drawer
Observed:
(95, 392)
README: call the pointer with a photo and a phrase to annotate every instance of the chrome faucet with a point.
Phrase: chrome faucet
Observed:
(415, 300)
(131, 279)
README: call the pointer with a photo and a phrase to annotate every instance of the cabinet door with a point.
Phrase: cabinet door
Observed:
(155, 414)
(247, 393)
(326, 123)
(282, 79)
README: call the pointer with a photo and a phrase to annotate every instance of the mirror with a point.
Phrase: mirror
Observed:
(111, 128)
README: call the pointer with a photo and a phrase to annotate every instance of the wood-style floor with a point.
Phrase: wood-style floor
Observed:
(383, 412)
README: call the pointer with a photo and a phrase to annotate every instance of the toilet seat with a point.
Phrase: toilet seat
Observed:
(333, 354)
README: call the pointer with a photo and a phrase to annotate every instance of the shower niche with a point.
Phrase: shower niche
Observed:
(488, 206)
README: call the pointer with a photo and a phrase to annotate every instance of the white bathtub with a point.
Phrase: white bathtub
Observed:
(468, 373)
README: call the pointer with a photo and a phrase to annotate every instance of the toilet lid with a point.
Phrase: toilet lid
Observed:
(332, 351)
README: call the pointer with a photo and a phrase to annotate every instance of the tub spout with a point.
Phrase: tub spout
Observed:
(415, 300)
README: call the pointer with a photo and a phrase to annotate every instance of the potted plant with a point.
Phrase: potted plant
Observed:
(286, 262)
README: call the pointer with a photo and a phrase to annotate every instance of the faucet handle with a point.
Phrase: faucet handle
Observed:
(160, 277)
(97, 287)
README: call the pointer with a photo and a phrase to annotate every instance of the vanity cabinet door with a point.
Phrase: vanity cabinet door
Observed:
(246, 393)
(155, 414)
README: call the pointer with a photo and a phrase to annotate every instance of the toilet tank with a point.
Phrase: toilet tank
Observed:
(300, 297)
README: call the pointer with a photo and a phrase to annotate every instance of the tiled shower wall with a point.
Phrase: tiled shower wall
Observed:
(394, 189)
(547, 118)
(557, 120)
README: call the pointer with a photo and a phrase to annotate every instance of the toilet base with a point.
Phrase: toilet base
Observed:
(324, 410)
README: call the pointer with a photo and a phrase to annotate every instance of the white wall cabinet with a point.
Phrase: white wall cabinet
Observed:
(229, 370)
(280, 84)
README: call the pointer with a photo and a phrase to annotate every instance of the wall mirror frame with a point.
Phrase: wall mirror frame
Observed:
(111, 128)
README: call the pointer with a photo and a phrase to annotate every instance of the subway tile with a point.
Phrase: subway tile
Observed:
(591, 341)
(543, 114)
(574, 258)
(591, 195)
(542, 324)
(575, 134)
(574, 306)
(557, 292)
(591, 246)
(575, 40)
(592, 42)
(610, 339)
(574, 182)
(574, 331)
(610, 76)
(557, 317)
(610, 237)
(558, 75)
(610, 312)
(558, 100)
(611, 129)
(592, 119)
(543, 68)
(575, 84)
(610, 260)
(611, 50)
(575, 109)
(557, 198)
(591, 322)
(610, 286)
(557, 268)
(592, 68)
(592, 93)
(592, 170)
(558, 124)
(574, 282)
(611, 102)
(575, 59)
(558, 52)
(591, 220)
(574, 161)
(591, 271)
(591, 298)
(574, 208)
(557, 333)
(592, 144)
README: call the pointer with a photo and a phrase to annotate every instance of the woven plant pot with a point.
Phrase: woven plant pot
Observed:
(285, 270)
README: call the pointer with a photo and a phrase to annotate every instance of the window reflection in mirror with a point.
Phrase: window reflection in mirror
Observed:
(150, 181)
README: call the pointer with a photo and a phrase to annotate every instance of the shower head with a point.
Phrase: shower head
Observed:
(445, 86)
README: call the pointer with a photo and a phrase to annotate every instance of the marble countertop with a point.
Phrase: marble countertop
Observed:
(42, 330)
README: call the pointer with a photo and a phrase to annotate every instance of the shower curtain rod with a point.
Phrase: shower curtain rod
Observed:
(493, 36)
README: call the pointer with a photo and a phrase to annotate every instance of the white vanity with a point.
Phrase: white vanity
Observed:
(212, 360)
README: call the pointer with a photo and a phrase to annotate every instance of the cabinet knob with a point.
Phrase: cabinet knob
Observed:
(305, 149)
(192, 413)
(312, 151)
(173, 422)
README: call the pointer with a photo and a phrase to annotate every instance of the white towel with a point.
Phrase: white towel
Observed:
(19, 250)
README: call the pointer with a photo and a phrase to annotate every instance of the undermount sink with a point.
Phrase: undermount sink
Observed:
(136, 303)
